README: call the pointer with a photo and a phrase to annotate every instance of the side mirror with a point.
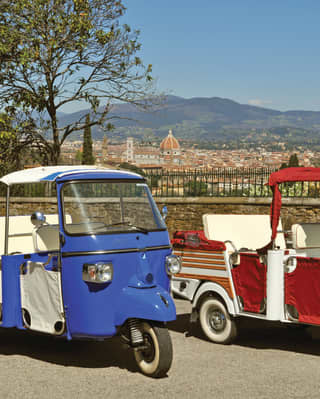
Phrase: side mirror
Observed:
(164, 212)
(38, 219)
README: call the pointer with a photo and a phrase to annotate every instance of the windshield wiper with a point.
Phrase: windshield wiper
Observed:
(138, 228)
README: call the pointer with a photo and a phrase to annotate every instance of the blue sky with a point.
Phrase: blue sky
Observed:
(255, 52)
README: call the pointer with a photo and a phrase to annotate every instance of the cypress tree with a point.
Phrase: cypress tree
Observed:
(87, 155)
(293, 160)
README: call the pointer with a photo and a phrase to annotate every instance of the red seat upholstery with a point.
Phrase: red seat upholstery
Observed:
(249, 279)
(302, 289)
(195, 239)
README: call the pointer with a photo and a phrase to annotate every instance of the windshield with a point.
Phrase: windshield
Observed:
(100, 207)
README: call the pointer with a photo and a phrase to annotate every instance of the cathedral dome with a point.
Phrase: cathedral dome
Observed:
(170, 143)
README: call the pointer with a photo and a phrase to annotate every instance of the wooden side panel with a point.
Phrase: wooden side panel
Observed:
(204, 265)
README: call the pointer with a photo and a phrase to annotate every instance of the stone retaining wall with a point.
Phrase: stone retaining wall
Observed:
(186, 213)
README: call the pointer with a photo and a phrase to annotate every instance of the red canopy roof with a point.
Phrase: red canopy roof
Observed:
(294, 174)
(287, 175)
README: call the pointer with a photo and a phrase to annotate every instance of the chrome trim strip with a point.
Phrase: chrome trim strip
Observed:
(114, 251)
(199, 264)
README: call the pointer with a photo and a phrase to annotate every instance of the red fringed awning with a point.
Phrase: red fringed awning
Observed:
(287, 175)
(294, 174)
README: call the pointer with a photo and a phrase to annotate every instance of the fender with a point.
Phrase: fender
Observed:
(147, 303)
(213, 287)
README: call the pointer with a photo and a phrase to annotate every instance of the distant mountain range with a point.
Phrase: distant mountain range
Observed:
(208, 119)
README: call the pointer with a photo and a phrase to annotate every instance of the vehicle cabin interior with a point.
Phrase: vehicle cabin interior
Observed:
(25, 237)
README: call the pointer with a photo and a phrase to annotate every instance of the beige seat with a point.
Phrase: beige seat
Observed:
(245, 231)
(46, 238)
(306, 238)
(21, 234)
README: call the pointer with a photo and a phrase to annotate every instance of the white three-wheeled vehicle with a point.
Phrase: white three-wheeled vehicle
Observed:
(231, 270)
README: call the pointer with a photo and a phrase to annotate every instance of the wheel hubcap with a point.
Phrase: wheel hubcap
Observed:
(149, 352)
(216, 320)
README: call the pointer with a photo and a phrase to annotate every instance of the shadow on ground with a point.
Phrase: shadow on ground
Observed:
(260, 334)
(87, 354)
(257, 334)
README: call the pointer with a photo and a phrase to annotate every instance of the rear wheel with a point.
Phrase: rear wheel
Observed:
(216, 322)
(155, 358)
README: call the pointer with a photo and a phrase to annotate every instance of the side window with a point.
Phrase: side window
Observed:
(25, 199)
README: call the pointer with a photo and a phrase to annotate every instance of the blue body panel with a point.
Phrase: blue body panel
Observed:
(140, 284)
(98, 309)
(11, 289)
(11, 298)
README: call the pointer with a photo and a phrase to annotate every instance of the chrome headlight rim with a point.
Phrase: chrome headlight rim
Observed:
(173, 264)
(98, 272)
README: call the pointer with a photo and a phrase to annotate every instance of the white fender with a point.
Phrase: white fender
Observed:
(215, 288)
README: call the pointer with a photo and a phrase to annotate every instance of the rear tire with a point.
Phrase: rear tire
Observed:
(154, 361)
(216, 322)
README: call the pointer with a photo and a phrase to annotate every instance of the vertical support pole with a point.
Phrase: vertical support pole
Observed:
(6, 239)
(275, 285)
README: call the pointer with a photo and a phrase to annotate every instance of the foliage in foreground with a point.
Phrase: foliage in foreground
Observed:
(55, 53)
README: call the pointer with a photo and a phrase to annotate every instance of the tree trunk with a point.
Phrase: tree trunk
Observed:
(56, 146)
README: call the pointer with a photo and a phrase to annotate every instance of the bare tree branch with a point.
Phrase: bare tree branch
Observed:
(54, 53)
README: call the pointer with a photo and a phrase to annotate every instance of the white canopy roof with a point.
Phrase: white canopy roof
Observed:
(50, 173)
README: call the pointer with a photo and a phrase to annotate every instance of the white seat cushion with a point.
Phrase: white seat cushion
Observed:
(306, 237)
(245, 231)
(21, 237)
(46, 238)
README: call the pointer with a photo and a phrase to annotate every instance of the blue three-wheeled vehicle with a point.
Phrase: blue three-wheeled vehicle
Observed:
(87, 255)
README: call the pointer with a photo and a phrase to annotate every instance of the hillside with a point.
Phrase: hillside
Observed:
(210, 119)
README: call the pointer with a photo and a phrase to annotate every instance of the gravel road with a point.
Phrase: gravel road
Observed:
(266, 361)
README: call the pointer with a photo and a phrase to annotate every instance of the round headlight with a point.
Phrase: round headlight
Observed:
(173, 264)
(104, 272)
(97, 272)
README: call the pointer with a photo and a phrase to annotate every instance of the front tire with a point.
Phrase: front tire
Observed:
(216, 322)
(156, 358)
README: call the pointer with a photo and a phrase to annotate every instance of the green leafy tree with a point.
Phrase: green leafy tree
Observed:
(293, 162)
(7, 140)
(87, 155)
(283, 165)
(55, 53)
(19, 144)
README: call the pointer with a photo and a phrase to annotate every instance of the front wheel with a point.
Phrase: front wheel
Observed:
(216, 322)
(155, 358)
